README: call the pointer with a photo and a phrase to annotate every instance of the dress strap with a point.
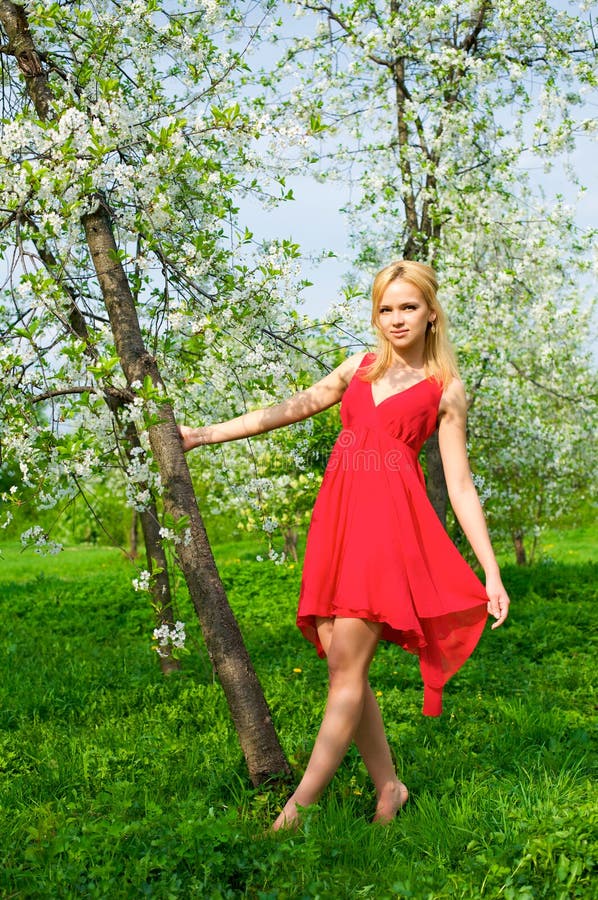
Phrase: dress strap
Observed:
(367, 359)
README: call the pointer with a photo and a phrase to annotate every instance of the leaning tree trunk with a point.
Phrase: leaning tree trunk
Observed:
(220, 630)
(224, 642)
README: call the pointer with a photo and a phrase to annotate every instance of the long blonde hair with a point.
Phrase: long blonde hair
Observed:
(439, 358)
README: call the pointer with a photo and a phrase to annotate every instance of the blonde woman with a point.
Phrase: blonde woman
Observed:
(378, 563)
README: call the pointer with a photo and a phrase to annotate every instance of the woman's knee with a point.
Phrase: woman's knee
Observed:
(341, 667)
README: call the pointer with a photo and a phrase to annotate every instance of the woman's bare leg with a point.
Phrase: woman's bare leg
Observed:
(372, 744)
(350, 652)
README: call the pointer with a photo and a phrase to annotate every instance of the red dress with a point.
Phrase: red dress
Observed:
(377, 550)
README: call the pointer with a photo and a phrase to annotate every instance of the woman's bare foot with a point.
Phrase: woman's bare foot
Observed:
(391, 799)
(289, 817)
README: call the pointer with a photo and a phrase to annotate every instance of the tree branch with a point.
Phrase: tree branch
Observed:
(301, 350)
(14, 21)
(122, 395)
(113, 539)
(334, 17)
(549, 390)
(470, 42)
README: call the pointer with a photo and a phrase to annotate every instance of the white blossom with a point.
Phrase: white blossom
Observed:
(167, 638)
(143, 582)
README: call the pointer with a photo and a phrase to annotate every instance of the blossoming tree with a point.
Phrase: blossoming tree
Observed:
(429, 114)
(123, 149)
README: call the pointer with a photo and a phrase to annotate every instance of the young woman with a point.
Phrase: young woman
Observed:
(378, 562)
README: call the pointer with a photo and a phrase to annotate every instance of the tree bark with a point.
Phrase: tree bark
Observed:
(250, 713)
(249, 710)
(133, 535)
(290, 543)
(519, 546)
(16, 25)
(436, 483)
(157, 564)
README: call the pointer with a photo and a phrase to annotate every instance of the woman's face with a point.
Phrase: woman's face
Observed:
(403, 315)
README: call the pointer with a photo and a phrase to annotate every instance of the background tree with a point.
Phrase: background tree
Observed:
(428, 113)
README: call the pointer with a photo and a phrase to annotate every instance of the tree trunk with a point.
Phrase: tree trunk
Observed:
(436, 483)
(244, 695)
(290, 543)
(519, 546)
(16, 25)
(157, 564)
(224, 642)
(134, 535)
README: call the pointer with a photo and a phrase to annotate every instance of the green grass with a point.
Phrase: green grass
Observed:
(118, 782)
(573, 545)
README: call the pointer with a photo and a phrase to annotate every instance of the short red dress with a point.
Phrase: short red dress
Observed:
(376, 549)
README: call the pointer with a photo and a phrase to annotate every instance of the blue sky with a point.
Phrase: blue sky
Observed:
(313, 219)
(315, 222)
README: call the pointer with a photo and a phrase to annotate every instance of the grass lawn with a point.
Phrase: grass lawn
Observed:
(118, 782)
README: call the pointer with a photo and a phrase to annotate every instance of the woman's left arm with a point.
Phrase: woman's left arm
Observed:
(464, 497)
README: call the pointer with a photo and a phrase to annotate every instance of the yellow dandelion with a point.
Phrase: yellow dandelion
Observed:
(378, 693)
(298, 671)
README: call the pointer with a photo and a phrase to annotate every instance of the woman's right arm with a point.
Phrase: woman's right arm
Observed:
(302, 405)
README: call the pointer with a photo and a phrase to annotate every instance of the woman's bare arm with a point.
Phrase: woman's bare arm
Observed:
(319, 396)
(463, 495)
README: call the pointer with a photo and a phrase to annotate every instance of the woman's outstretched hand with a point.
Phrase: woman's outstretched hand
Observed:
(498, 600)
(188, 436)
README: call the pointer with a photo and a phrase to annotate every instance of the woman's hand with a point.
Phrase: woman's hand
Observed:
(498, 600)
(190, 437)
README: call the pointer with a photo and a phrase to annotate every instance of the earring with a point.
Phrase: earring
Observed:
(433, 328)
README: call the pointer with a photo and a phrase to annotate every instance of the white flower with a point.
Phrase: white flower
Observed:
(143, 582)
(164, 635)
(177, 635)
(168, 534)
(37, 538)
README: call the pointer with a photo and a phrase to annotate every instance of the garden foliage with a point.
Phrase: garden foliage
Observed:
(116, 782)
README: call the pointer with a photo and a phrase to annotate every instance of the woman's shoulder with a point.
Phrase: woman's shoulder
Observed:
(454, 388)
(453, 398)
(353, 363)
